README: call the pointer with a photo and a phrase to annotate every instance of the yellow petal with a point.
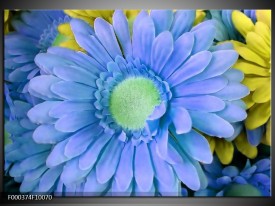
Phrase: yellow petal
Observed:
(258, 115)
(248, 101)
(250, 68)
(200, 15)
(267, 137)
(212, 142)
(264, 16)
(256, 43)
(244, 147)
(263, 30)
(224, 151)
(242, 23)
(65, 29)
(71, 44)
(254, 83)
(6, 15)
(251, 56)
(80, 15)
(263, 93)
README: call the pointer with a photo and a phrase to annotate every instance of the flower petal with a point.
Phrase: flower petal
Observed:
(181, 119)
(162, 19)
(48, 179)
(52, 135)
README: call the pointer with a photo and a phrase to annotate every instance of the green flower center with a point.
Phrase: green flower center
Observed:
(132, 101)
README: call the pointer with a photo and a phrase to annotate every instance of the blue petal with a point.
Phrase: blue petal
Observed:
(71, 173)
(93, 187)
(204, 34)
(163, 171)
(124, 173)
(187, 173)
(202, 150)
(254, 136)
(88, 159)
(47, 181)
(80, 141)
(121, 28)
(143, 36)
(204, 103)
(144, 173)
(162, 139)
(66, 107)
(209, 86)
(221, 61)
(76, 74)
(233, 91)
(77, 58)
(18, 76)
(80, 26)
(27, 186)
(182, 49)
(183, 22)
(108, 162)
(161, 50)
(232, 113)
(263, 165)
(181, 119)
(158, 112)
(193, 66)
(40, 87)
(234, 75)
(53, 136)
(230, 171)
(75, 121)
(56, 157)
(94, 48)
(72, 90)
(40, 113)
(162, 19)
(222, 46)
(211, 124)
(222, 181)
(35, 174)
(106, 35)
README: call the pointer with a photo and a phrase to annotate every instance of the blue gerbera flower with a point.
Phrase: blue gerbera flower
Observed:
(35, 31)
(252, 180)
(126, 116)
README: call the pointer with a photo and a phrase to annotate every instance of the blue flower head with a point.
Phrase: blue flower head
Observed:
(123, 117)
(252, 180)
(35, 31)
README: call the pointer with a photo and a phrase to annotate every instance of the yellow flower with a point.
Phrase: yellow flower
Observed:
(254, 61)
(66, 38)
(6, 21)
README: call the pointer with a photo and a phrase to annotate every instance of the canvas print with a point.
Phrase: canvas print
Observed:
(137, 102)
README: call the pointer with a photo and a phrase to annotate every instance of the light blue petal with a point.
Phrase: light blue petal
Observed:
(53, 136)
(27, 186)
(182, 49)
(161, 50)
(80, 141)
(211, 124)
(35, 174)
(121, 28)
(88, 159)
(201, 152)
(204, 103)
(40, 87)
(158, 112)
(162, 19)
(162, 139)
(39, 114)
(181, 119)
(57, 156)
(233, 91)
(80, 26)
(124, 173)
(142, 40)
(71, 173)
(93, 187)
(232, 113)
(106, 35)
(193, 66)
(254, 136)
(209, 86)
(183, 22)
(72, 91)
(108, 162)
(230, 171)
(204, 34)
(143, 168)
(75, 121)
(76, 74)
(47, 181)
(234, 75)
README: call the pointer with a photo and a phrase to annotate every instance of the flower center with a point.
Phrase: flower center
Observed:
(132, 101)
